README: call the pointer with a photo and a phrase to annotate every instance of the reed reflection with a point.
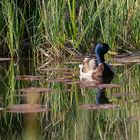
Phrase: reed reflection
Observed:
(31, 123)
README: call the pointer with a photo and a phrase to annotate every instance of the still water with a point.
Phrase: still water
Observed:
(52, 103)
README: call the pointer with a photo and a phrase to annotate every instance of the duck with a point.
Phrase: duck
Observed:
(102, 69)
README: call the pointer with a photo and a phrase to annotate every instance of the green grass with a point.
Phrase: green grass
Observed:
(50, 24)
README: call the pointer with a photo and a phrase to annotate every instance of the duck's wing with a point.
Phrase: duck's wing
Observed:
(92, 64)
(85, 74)
(98, 73)
(86, 78)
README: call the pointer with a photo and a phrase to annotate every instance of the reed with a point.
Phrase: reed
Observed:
(51, 24)
(13, 29)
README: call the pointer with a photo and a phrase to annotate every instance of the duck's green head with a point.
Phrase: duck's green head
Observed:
(100, 50)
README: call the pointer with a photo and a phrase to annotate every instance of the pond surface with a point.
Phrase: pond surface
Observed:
(53, 103)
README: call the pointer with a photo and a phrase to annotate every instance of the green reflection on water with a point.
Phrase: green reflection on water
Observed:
(65, 121)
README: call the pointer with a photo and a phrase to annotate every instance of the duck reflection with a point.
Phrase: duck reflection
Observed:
(101, 97)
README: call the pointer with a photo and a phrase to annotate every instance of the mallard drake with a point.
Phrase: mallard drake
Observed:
(97, 70)
(103, 69)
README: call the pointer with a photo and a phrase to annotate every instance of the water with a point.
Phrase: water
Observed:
(60, 108)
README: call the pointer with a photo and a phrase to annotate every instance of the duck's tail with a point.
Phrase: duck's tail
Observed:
(86, 74)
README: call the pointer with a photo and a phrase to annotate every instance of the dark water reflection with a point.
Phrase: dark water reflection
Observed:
(101, 97)
(65, 120)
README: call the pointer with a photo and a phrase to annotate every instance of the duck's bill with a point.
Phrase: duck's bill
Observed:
(112, 52)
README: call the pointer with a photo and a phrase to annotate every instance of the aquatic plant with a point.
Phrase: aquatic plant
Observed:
(73, 113)
(52, 26)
